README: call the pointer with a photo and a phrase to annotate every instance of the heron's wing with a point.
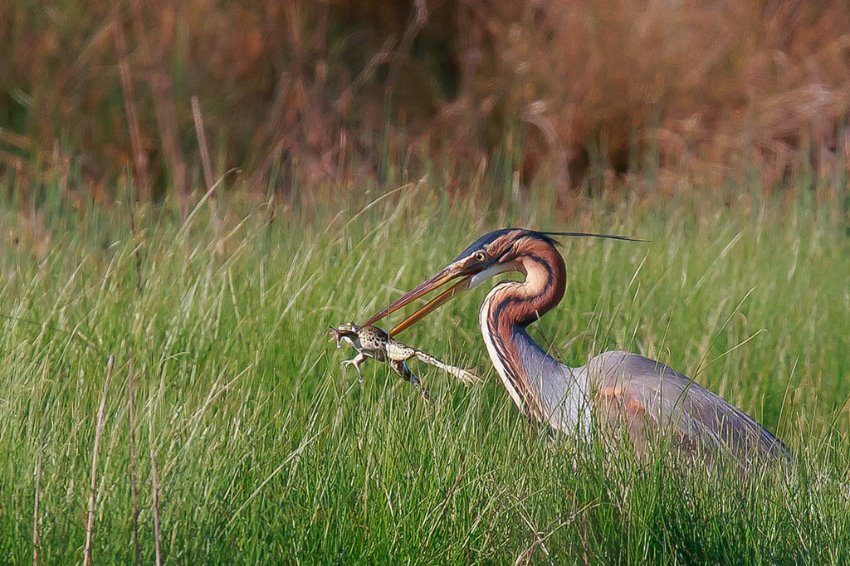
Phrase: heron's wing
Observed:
(649, 397)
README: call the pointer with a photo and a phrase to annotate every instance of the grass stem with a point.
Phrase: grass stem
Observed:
(101, 415)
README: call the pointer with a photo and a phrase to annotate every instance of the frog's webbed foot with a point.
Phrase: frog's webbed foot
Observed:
(356, 361)
(400, 367)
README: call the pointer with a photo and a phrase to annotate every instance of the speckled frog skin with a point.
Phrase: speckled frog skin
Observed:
(373, 342)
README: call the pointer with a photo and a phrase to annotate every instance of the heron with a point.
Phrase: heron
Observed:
(617, 390)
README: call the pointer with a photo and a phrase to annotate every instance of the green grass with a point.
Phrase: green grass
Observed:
(267, 451)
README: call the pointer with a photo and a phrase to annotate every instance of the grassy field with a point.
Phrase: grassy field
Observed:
(266, 450)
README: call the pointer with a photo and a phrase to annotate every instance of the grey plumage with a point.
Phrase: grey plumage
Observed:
(633, 386)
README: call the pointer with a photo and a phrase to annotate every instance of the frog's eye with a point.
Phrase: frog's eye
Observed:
(480, 256)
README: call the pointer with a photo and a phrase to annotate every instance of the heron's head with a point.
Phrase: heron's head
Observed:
(497, 252)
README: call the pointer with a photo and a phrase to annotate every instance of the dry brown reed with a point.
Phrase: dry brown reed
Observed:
(140, 157)
(315, 91)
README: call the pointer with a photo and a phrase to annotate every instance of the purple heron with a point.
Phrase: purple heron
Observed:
(621, 391)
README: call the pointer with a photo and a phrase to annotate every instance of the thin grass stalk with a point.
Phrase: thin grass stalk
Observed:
(155, 490)
(35, 539)
(131, 402)
(585, 547)
(101, 414)
(137, 252)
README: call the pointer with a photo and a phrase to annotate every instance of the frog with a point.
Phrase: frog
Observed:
(372, 342)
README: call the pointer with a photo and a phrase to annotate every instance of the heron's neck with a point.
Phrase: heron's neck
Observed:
(521, 303)
(534, 379)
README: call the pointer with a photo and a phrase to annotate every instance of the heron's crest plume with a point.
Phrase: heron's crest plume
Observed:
(592, 235)
(548, 236)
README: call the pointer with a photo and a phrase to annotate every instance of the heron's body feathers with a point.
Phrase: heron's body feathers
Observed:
(651, 398)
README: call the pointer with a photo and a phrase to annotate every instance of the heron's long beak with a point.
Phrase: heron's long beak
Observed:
(442, 278)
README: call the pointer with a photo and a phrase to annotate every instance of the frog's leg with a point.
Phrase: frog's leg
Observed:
(356, 361)
(396, 351)
(400, 367)
(465, 376)
(403, 371)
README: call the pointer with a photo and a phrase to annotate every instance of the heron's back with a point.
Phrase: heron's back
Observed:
(652, 397)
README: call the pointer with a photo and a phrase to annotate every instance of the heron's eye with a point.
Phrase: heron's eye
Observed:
(480, 256)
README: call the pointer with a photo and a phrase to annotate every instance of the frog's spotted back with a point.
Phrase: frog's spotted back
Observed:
(373, 338)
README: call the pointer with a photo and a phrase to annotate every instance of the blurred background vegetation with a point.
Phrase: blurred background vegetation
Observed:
(655, 97)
